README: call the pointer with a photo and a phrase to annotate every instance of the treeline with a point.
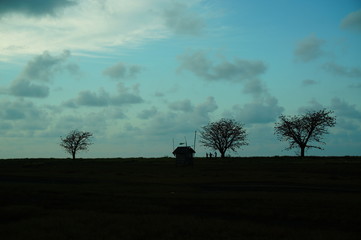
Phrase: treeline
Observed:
(300, 131)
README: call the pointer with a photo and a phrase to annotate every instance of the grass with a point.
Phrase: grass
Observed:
(236, 198)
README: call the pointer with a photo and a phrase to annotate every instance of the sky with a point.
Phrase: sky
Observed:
(143, 74)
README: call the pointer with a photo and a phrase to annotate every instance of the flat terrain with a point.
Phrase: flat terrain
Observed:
(235, 198)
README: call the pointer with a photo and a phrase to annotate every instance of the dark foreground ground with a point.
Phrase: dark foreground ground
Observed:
(238, 198)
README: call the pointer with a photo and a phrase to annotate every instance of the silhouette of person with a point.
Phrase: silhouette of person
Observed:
(215, 154)
(210, 155)
(206, 155)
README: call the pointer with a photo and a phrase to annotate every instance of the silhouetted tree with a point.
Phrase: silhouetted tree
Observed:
(223, 135)
(300, 130)
(76, 141)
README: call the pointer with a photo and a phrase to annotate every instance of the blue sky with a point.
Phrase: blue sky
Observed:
(138, 74)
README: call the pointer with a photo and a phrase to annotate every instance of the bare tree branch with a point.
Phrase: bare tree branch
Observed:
(299, 131)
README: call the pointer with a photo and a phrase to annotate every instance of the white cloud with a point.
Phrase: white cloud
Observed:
(90, 25)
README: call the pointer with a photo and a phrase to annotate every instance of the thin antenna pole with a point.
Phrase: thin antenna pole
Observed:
(195, 136)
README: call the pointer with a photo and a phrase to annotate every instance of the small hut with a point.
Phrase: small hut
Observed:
(184, 155)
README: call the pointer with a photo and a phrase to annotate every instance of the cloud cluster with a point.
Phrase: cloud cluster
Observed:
(22, 117)
(345, 109)
(197, 114)
(186, 117)
(352, 21)
(200, 112)
(148, 113)
(91, 26)
(204, 109)
(185, 106)
(43, 67)
(260, 112)
(309, 48)
(103, 98)
(263, 108)
(17, 110)
(41, 70)
(348, 120)
(181, 20)
(122, 71)
(342, 71)
(199, 63)
(256, 88)
(313, 105)
(25, 88)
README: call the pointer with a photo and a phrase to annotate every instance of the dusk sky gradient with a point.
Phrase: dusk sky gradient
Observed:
(140, 73)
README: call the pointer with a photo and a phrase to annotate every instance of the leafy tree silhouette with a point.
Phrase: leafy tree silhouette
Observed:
(76, 141)
(223, 135)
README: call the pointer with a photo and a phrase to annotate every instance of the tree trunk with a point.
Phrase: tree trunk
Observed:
(222, 154)
(302, 151)
(73, 153)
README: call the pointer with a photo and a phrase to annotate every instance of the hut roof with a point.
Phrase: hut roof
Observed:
(183, 150)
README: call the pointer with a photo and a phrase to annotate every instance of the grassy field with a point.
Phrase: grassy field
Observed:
(235, 198)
